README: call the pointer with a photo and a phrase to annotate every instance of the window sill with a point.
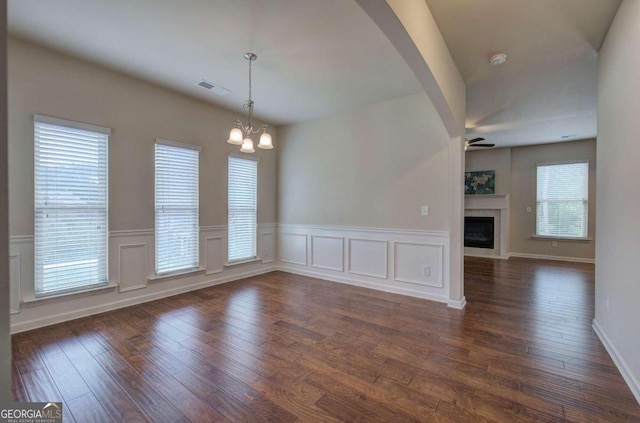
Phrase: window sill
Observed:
(164, 276)
(67, 295)
(235, 263)
(559, 238)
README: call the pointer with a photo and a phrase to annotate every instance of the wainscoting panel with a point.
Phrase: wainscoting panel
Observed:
(327, 252)
(366, 260)
(418, 263)
(21, 271)
(267, 246)
(14, 283)
(214, 253)
(293, 248)
(368, 257)
(133, 272)
(131, 267)
(384, 259)
(136, 268)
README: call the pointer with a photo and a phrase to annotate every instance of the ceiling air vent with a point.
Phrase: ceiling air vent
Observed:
(215, 88)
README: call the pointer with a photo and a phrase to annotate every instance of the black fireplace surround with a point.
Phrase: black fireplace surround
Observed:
(478, 232)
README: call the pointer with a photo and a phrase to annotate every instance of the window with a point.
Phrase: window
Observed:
(70, 205)
(562, 200)
(176, 204)
(243, 177)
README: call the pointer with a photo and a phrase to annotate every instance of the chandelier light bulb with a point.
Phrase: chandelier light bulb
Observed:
(265, 141)
(247, 146)
(235, 136)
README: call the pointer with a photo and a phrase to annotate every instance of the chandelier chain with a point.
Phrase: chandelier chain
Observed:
(249, 106)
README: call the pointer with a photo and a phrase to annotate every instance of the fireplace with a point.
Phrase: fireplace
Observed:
(478, 232)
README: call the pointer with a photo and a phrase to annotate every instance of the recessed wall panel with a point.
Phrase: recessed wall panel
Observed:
(368, 257)
(327, 252)
(293, 248)
(214, 254)
(419, 264)
(133, 267)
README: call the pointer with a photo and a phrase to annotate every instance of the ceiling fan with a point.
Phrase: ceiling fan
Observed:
(472, 143)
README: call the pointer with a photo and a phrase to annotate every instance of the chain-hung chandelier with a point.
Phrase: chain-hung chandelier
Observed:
(241, 134)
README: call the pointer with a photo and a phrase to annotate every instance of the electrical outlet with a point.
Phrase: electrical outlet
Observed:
(424, 211)
(426, 270)
(606, 303)
(529, 209)
(554, 243)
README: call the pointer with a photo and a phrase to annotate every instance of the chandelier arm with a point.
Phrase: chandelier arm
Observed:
(238, 124)
(263, 128)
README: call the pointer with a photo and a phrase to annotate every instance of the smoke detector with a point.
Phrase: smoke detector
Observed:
(497, 59)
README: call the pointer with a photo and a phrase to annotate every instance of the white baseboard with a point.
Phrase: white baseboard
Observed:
(460, 305)
(487, 256)
(363, 283)
(383, 259)
(556, 258)
(88, 311)
(620, 363)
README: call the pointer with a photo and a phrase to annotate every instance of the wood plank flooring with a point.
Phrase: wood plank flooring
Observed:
(285, 348)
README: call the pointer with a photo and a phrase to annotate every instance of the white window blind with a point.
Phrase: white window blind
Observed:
(176, 204)
(70, 237)
(562, 200)
(243, 202)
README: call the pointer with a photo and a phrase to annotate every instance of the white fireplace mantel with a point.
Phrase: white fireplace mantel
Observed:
(498, 205)
(487, 201)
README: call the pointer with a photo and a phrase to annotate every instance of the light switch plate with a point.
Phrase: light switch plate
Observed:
(424, 211)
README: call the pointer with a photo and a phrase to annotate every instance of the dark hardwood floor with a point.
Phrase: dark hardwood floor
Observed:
(283, 348)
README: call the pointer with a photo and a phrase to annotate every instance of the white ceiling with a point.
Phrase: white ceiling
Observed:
(315, 58)
(547, 88)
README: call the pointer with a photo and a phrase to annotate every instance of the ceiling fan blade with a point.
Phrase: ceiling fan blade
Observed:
(482, 145)
(475, 140)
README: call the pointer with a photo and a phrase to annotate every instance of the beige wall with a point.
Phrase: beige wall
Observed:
(42, 81)
(370, 168)
(523, 195)
(498, 159)
(618, 243)
(516, 175)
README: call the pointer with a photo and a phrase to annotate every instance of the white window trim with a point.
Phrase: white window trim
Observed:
(242, 261)
(71, 124)
(65, 296)
(244, 156)
(255, 258)
(178, 144)
(175, 273)
(34, 296)
(566, 162)
(585, 238)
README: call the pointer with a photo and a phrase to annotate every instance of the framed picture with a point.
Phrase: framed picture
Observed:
(480, 182)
